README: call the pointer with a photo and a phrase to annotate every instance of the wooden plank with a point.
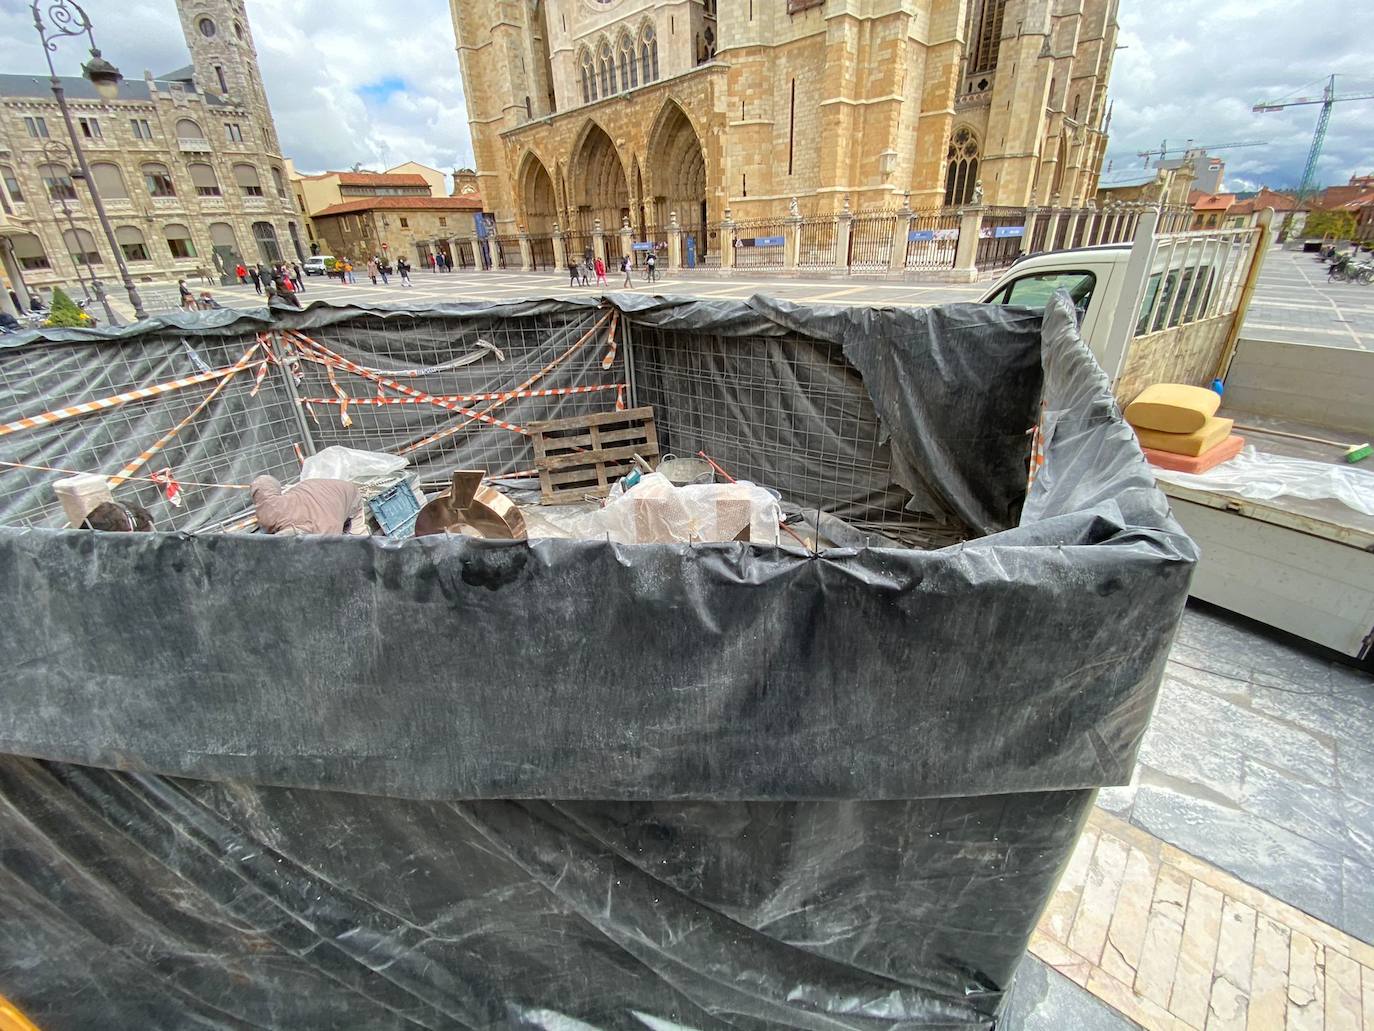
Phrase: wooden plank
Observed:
(596, 419)
(588, 474)
(589, 458)
(558, 444)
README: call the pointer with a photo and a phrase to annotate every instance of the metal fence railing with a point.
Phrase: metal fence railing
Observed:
(817, 240)
(870, 241)
(999, 238)
(932, 241)
(541, 251)
(760, 243)
(646, 240)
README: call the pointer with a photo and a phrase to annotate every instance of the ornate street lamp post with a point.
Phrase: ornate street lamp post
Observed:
(67, 18)
(54, 152)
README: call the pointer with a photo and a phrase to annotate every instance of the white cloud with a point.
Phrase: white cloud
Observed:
(1193, 70)
(317, 61)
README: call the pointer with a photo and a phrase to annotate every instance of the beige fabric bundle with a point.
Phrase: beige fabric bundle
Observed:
(1173, 408)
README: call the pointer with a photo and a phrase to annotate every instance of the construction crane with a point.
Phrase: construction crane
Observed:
(1165, 150)
(1328, 97)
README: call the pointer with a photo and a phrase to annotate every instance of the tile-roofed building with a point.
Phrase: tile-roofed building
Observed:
(187, 165)
(392, 227)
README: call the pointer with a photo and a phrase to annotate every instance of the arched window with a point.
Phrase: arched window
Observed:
(179, 241)
(132, 244)
(109, 180)
(158, 180)
(189, 130)
(12, 186)
(81, 246)
(280, 183)
(605, 67)
(588, 77)
(28, 251)
(648, 55)
(247, 178)
(266, 237)
(962, 171)
(57, 182)
(629, 74)
(203, 177)
(222, 236)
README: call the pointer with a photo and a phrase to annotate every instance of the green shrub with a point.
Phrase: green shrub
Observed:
(1335, 225)
(64, 313)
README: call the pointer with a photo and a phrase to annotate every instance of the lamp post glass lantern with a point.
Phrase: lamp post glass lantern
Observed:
(68, 18)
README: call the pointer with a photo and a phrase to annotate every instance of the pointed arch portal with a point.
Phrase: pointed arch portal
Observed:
(677, 169)
(598, 183)
(539, 209)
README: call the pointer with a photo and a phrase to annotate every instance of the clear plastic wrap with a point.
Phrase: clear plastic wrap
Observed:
(654, 511)
(1261, 476)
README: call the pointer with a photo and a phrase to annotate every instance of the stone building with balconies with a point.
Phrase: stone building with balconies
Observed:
(187, 165)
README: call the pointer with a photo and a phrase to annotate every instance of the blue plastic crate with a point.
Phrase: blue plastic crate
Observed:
(395, 509)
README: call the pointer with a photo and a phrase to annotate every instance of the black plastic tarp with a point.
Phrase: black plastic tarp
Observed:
(315, 782)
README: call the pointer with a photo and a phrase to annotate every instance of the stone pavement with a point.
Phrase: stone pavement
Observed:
(1294, 302)
(1231, 885)
(1174, 943)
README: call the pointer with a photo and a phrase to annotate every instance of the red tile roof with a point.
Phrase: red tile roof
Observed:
(1266, 198)
(1213, 201)
(467, 202)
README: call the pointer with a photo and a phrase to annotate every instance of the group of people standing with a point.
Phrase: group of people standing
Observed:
(282, 277)
(379, 267)
(580, 271)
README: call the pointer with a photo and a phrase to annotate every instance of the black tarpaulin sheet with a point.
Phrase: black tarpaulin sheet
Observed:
(316, 782)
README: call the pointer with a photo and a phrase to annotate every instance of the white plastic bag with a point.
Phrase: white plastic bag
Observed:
(654, 511)
(346, 463)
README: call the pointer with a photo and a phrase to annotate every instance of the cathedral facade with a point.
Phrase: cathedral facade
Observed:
(586, 111)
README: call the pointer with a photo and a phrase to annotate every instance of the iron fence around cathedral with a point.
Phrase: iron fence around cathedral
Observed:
(646, 240)
(999, 238)
(870, 241)
(541, 251)
(760, 243)
(818, 236)
(932, 240)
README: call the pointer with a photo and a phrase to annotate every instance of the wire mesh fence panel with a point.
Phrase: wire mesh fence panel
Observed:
(788, 413)
(208, 411)
(451, 393)
(760, 243)
(818, 239)
(541, 251)
(870, 241)
(999, 239)
(932, 240)
(166, 414)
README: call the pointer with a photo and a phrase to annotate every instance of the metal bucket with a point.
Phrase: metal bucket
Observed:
(682, 471)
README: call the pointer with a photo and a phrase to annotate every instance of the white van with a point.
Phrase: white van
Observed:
(315, 264)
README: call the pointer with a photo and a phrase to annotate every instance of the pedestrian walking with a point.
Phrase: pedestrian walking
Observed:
(572, 273)
(372, 270)
(600, 272)
(298, 274)
(584, 272)
(242, 273)
(403, 269)
(256, 277)
(385, 269)
(433, 265)
(349, 277)
(651, 267)
(625, 269)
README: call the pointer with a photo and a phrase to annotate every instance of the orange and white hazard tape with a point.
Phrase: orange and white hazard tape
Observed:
(331, 358)
(167, 437)
(502, 395)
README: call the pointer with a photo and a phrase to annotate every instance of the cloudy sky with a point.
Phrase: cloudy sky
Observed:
(377, 82)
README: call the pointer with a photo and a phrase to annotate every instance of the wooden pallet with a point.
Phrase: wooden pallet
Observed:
(584, 455)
